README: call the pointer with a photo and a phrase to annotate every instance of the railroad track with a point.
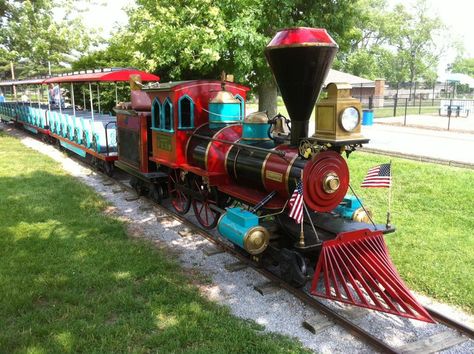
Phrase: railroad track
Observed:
(427, 346)
(439, 342)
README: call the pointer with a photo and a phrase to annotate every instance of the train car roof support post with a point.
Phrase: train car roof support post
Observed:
(38, 97)
(98, 97)
(73, 100)
(91, 102)
(116, 94)
(59, 93)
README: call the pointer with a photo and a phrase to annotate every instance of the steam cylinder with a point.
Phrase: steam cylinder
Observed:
(300, 59)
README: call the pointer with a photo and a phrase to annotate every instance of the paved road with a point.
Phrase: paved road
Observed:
(442, 145)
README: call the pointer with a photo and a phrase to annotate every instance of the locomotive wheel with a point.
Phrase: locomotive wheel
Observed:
(156, 193)
(180, 201)
(109, 168)
(207, 217)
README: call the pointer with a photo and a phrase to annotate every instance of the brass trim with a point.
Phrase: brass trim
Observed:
(262, 172)
(256, 139)
(235, 161)
(210, 143)
(361, 216)
(189, 140)
(248, 246)
(226, 157)
(287, 174)
(331, 182)
(224, 121)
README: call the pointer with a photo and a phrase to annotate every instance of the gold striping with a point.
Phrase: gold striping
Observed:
(210, 144)
(262, 172)
(287, 174)
(189, 140)
(227, 156)
(235, 162)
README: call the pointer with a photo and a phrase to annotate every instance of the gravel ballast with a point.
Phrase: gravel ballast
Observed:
(277, 312)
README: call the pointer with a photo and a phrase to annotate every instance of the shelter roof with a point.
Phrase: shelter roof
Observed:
(459, 78)
(103, 75)
(339, 76)
(111, 75)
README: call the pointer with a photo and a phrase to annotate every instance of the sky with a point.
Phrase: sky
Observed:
(458, 15)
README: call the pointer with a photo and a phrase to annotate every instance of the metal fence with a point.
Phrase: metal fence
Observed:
(439, 113)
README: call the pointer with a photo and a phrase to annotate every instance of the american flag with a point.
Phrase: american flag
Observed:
(378, 176)
(296, 203)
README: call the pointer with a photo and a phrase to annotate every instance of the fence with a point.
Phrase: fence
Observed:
(437, 112)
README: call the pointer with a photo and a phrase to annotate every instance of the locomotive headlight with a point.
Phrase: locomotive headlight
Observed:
(350, 118)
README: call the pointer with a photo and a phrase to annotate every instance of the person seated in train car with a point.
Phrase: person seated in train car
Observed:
(55, 97)
(24, 98)
(2, 98)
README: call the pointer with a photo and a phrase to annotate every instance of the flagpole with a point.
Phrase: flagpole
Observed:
(387, 225)
(301, 242)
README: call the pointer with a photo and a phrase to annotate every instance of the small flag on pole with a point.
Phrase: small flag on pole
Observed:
(378, 176)
(296, 203)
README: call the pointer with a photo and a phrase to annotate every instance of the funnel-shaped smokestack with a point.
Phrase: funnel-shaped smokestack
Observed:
(300, 59)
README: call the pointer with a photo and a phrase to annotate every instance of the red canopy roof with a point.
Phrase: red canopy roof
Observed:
(110, 76)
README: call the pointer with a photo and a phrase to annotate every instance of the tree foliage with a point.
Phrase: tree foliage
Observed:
(199, 39)
(399, 44)
(32, 36)
(463, 66)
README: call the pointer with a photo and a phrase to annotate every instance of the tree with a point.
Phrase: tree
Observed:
(32, 37)
(397, 44)
(199, 39)
(419, 38)
(463, 66)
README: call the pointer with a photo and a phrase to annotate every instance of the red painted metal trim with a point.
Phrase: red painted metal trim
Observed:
(109, 158)
(356, 269)
(110, 76)
(164, 162)
(251, 196)
(41, 130)
(302, 35)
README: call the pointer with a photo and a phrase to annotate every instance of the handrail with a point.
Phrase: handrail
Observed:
(107, 136)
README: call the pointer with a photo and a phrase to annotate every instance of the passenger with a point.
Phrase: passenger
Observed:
(2, 98)
(24, 98)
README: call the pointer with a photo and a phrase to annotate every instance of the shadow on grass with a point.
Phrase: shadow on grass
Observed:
(71, 280)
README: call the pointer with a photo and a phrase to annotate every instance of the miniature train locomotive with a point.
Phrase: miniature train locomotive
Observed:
(191, 142)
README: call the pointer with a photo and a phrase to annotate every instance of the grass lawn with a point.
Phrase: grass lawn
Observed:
(433, 247)
(388, 111)
(71, 280)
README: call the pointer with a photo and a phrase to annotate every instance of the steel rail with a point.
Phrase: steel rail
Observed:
(450, 322)
(351, 327)
(303, 296)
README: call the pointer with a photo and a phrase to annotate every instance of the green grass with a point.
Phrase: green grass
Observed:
(71, 280)
(432, 208)
(388, 111)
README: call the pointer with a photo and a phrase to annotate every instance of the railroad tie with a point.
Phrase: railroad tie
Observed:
(186, 232)
(267, 288)
(236, 266)
(317, 323)
(131, 198)
(434, 343)
(212, 250)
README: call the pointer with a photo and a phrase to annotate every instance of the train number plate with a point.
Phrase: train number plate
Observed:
(164, 143)
(274, 176)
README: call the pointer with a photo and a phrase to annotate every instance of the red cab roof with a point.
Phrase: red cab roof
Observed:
(107, 76)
